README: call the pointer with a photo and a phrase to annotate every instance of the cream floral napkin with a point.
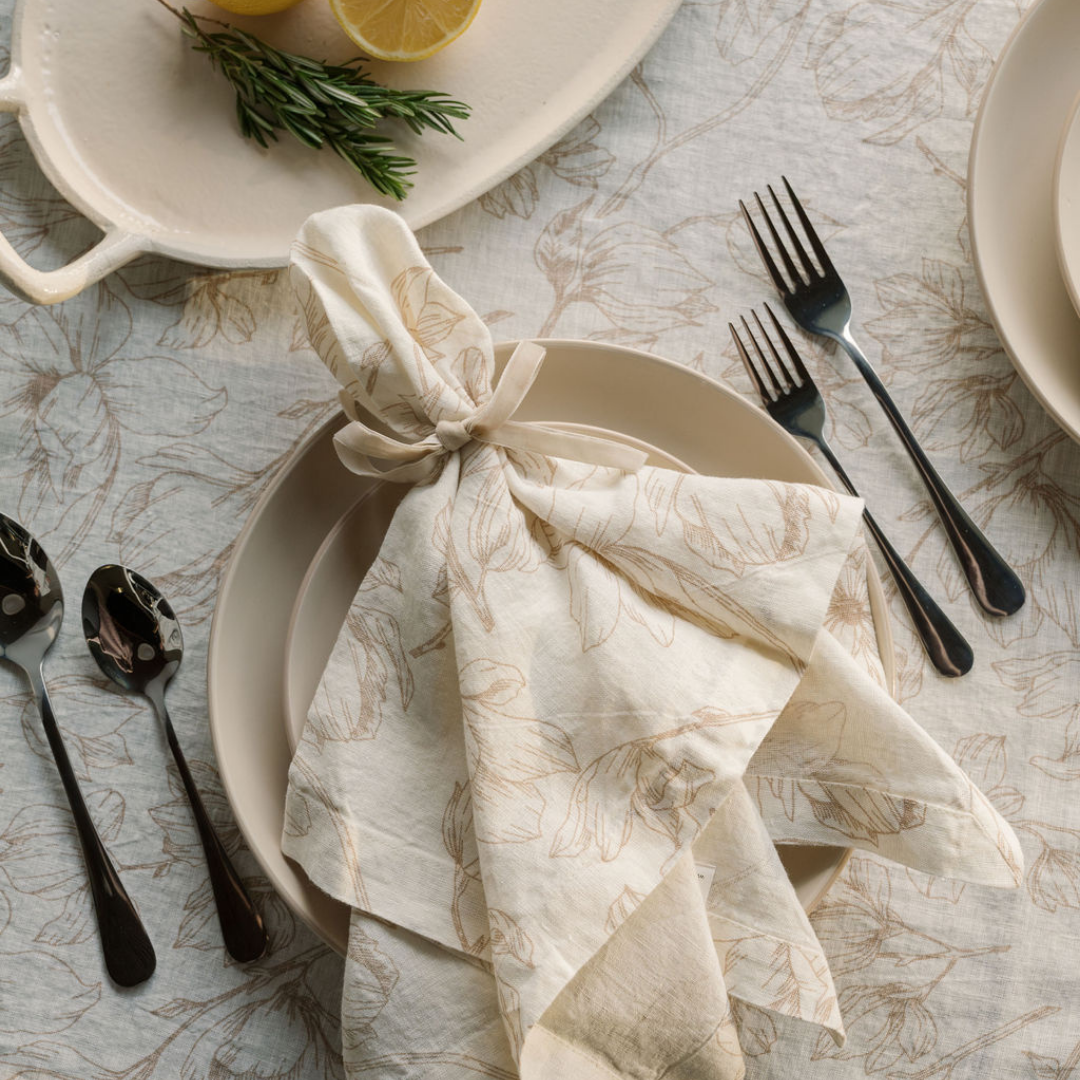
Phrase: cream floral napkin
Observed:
(572, 699)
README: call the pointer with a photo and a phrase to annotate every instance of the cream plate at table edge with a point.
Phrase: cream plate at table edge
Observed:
(249, 633)
(30, 89)
(1010, 181)
(1066, 204)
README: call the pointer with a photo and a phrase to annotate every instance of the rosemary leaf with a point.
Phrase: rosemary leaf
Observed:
(321, 104)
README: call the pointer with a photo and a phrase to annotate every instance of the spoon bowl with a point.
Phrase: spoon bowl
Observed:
(31, 600)
(133, 634)
(131, 630)
(31, 610)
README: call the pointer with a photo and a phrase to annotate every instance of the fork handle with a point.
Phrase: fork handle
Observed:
(947, 648)
(994, 583)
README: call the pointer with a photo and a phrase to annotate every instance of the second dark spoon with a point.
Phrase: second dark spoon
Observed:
(134, 637)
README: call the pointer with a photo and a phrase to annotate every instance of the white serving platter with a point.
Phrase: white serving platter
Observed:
(137, 131)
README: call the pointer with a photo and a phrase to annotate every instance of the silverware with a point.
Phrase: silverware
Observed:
(134, 637)
(819, 302)
(799, 408)
(31, 610)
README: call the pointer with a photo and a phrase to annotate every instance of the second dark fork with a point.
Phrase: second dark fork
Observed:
(799, 408)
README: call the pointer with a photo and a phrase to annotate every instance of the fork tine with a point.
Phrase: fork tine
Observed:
(808, 266)
(811, 233)
(780, 390)
(791, 383)
(744, 356)
(763, 251)
(800, 367)
(796, 277)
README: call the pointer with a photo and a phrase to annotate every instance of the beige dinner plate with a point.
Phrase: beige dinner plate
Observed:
(137, 131)
(1010, 204)
(309, 540)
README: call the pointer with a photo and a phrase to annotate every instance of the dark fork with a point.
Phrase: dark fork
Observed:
(819, 302)
(799, 408)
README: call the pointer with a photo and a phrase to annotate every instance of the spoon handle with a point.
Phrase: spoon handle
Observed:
(241, 924)
(129, 956)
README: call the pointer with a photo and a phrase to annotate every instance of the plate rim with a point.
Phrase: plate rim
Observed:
(883, 632)
(1029, 380)
(148, 243)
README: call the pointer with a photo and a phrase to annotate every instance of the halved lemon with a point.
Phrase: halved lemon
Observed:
(404, 29)
(255, 7)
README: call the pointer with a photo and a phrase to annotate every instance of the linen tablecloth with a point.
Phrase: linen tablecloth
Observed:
(140, 420)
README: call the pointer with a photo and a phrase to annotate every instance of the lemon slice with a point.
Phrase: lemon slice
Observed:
(404, 29)
(255, 7)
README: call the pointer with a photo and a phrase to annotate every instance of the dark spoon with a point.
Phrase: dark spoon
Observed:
(31, 610)
(135, 638)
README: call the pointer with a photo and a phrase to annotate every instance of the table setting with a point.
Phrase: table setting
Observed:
(576, 517)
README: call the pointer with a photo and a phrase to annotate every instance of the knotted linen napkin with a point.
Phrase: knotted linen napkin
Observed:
(555, 700)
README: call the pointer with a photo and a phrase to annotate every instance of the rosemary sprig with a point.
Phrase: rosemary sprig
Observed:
(321, 104)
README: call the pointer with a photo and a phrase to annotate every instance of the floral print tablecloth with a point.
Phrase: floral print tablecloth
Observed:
(140, 421)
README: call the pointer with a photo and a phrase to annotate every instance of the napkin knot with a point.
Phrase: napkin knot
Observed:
(452, 434)
(360, 448)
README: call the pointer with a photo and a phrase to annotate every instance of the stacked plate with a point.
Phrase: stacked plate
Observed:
(309, 542)
(1024, 204)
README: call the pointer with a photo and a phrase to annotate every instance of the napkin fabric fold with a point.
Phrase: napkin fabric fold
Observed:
(568, 683)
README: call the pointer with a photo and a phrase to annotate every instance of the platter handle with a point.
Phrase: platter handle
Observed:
(114, 249)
